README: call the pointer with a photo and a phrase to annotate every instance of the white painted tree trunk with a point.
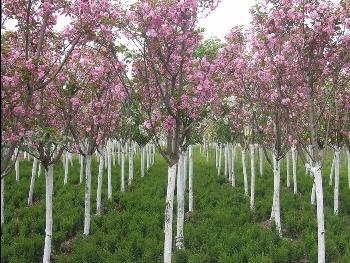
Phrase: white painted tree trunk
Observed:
(113, 151)
(24, 155)
(168, 228)
(288, 169)
(220, 158)
(294, 160)
(185, 166)
(71, 159)
(252, 182)
(48, 228)
(348, 154)
(32, 182)
(216, 156)
(118, 143)
(2, 200)
(109, 169)
(190, 179)
(122, 183)
(244, 166)
(233, 176)
(17, 165)
(276, 209)
(142, 161)
(180, 204)
(147, 157)
(229, 163)
(66, 159)
(88, 194)
(81, 176)
(225, 155)
(313, 193)
(261, 160)
(320, 213)
(99, 186)
(130, 164)
(332, 172)
(40, 168)
(336, 181)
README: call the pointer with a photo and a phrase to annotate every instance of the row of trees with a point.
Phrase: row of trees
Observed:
(283, 84)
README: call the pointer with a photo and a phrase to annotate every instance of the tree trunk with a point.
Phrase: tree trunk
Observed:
(32, 181)
(17, 165)
(168, 229)
(348, 153)
(220, 158)
(336, 181)
(245, 177)
(320, 213)
(147, 156)
(185, 165)
(2, 200)
(65, 156)
(99, 186)
(226, 162)
(142, 161)
(180, 204)
(216, 155)
(233, 176)
(276, 209)
(261, 160)
(190, 179)
(131, 170)
(122, 184)
(332, 172)
(48, 228)
(294, 159)
(39, 171)
(252, 182)
(229, 163)
(81, 169)
(313, 193)
(88, 194)
(118, 143)
(109, 169)
(288, 170)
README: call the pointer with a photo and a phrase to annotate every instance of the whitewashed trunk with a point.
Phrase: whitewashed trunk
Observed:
(336, 181)
(88, 194)
(48, 228)
(168, 228)
(288, 169)
(122, 183)
(216, 155)
(261, 160)
(40, 168)
(252, 182)
(220, 158)
(294, 160)
(332, 172)
(276, 209)
(81, 176)
(17, 165)
(348, 154)
(66, 168)
(32, 182)
(229, 163)
(225, 155)
(142, 161)
(99, 186)
(130, 164)
(113, 151)
(185, 166)
(118, 143)
(313, 193)
(190, 179)
(244, 167)
(2, 200)
(320, 213)
(109, 170)
(180, 204)
(147, 157)
(233, 176)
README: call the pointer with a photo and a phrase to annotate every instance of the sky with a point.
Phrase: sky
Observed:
(229, 13)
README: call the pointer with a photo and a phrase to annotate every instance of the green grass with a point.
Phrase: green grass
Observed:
(222, 228)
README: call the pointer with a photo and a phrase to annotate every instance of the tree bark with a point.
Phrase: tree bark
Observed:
(336, 181)
(81, 169)
(261, 160)
(88, 194)
(233, 176)
(65, 156)
(168, 230)
(99, 186)
(122, 184)
(252, 182)
(332, 172)
(32, 182)
(109, 169)
(49, 221)
(180, 204)
(190, 179)
(276, 209)
(294, 160)
(17, 165)
(244, 166)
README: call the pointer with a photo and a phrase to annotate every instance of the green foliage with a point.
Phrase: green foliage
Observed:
(209, 48)
(221, 229)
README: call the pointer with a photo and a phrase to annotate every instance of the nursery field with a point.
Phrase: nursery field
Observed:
(222, 227)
